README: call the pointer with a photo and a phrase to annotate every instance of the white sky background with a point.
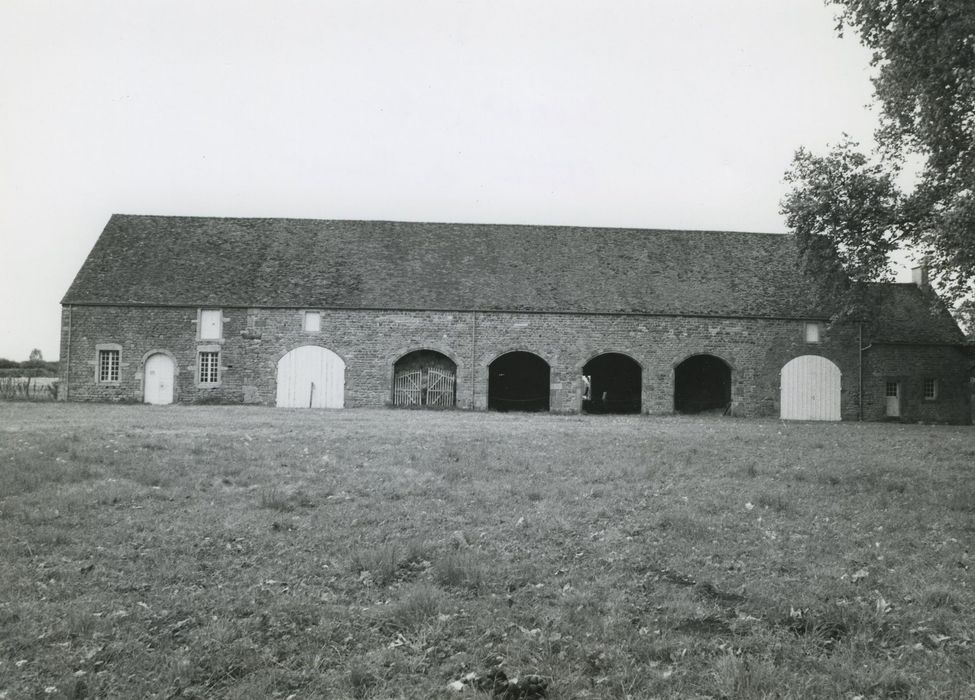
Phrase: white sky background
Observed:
(643, 113)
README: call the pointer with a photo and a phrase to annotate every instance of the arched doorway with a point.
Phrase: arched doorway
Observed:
(518, 381)
(425, 378)
(159, 379)
(702, 383)
(311, 377)
(810, 389)
(613, 384)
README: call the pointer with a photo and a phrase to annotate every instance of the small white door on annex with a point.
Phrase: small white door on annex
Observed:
(158, 381)
(892, 394)
(810, 389)
(311, 377)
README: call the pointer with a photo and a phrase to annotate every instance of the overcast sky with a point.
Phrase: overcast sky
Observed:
(644, 113)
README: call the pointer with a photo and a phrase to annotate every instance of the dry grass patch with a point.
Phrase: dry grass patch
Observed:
(459, 569)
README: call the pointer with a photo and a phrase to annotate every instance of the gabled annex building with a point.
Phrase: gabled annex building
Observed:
(332, 314)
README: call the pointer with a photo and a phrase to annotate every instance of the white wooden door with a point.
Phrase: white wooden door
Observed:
(158, 379)
(892, 392)
(311, 377)
(810, 389)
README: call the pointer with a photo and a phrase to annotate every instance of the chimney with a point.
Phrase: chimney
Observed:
(919, 275)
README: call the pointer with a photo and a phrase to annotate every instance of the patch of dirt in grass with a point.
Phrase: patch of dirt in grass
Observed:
(707, 625)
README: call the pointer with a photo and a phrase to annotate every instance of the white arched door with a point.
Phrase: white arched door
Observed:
(311, 377)
(810, 389)
(159, 379)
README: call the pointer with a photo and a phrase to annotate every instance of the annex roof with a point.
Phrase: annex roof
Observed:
(906, 313)
(305, 263)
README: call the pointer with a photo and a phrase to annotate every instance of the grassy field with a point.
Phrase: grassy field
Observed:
(249, 552)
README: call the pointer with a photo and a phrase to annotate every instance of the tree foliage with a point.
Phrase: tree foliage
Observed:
(924, 53)
(846, 210)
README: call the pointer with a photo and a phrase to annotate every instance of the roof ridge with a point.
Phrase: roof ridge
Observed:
(573, 227)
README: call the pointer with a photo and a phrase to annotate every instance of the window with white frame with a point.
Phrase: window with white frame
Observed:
(208, 367)
(312, 321)
(930, 389)
(814, 332)
(108, 365)
(891, 390)
(211, 324)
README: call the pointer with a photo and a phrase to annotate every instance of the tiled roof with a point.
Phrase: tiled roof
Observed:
(906, 313)
(303, 263)
(159, 260)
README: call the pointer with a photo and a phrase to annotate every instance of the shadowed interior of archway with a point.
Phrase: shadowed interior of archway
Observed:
(613, 384)
(518, 381)
(702, 383)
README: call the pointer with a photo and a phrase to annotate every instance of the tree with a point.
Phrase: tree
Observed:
(36, 355)
(845, 208)
(844, 211)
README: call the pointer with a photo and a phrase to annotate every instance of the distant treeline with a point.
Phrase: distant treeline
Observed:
(28, 368)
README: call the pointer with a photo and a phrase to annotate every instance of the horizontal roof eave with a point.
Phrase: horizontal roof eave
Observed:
(446, 309)
(919, 343)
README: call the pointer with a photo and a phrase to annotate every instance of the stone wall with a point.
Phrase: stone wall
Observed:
(910, 365)
(371, 341)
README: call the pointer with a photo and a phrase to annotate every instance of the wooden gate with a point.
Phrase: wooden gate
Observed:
(810, 389)
(440, 389)
(408, 388)
(424, 387)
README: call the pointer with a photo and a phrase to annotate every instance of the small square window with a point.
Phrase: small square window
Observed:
(813, 332)
(209, 367)
(930, 389)
(892, 390)
(313, 321)
(108, 365)
(211, 324)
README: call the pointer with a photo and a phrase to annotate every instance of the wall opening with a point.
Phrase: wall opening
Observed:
(425, 378)
(612, 383)
(159, 379)
(311, 377)
(810, 389)
(518, 381)
(702, 383)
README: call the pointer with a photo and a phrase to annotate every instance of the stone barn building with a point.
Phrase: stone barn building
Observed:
(307, 313)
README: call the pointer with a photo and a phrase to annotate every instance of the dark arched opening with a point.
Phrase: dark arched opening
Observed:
(702, 383)
(518, 381)
(612, 384)
(425, 378)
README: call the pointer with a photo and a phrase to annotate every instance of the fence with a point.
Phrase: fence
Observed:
(28, 388)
